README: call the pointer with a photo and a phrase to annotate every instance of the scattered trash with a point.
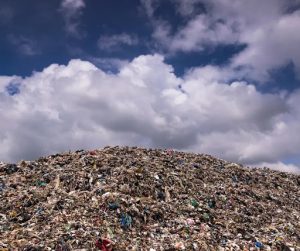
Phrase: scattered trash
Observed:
(179, 246)
(212, 203)
(113, 206)
(126, 221)
(11, 168)
(206, 216)
(194, 203)
(258, 244)
(122, 198)
(2, 186)
(104, 244)
(223, 242)
(60, 246)
(41, 183)
(190, 222)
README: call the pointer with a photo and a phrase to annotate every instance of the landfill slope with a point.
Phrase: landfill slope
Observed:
(122, 198)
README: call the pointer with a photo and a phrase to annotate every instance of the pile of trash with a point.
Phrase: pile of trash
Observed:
(129, 198)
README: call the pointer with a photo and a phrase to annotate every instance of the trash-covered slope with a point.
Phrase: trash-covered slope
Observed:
(142, 199)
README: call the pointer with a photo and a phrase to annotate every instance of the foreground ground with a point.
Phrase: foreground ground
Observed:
(142, 199)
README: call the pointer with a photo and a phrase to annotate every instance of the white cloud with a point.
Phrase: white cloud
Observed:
(272, 46)
(149, 6)
(268, 28)
(187, 8)
(199, 33)
(114, 42)
(71, 10)
(81, 106)
(4, 81)
(72, 5)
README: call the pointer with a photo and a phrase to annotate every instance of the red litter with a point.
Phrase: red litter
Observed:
(104, 244)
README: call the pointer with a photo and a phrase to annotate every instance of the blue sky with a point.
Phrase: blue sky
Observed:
(220, 77)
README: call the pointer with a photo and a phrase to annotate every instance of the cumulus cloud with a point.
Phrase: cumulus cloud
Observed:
(199, 33)
(269, 29)
(80, 106)
(272, 46)
(72, 10)
(116, 41)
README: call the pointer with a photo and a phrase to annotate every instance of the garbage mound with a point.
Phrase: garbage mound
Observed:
(123, 198)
